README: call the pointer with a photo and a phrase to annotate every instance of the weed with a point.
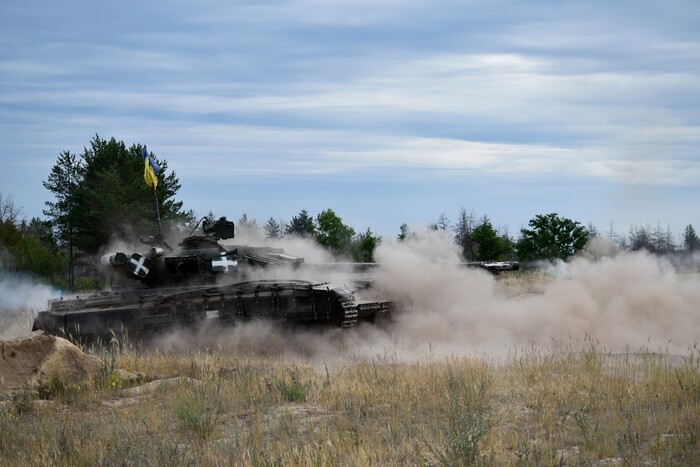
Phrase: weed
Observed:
(466, 421)
(22, 402)
(293, 389)
(199, 410)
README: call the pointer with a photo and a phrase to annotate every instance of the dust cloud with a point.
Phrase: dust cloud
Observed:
(21, 297)
(618, 300)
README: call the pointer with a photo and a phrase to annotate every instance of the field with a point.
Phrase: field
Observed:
(576, 404)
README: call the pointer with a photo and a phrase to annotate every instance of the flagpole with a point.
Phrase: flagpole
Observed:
(150, 175)
(155, 195)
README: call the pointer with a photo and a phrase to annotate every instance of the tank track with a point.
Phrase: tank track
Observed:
(349, 314)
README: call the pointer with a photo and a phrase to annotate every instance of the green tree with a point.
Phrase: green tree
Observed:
(363, 246)
(113, 199)
(550, 237)
(301, 225)
(21, 250)
(690, 239)
(489, 245)
(43, 230)
(64, 182)
(272, 228)
(404, 232)
(332, 233)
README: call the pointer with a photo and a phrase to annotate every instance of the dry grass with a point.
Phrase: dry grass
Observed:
(210, 408)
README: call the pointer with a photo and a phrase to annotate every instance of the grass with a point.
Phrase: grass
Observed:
(565, 408)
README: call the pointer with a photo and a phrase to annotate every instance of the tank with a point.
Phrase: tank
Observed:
(200, 282)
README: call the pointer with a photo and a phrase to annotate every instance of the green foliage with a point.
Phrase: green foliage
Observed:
(404, 232)
(691, 242)
(43, 230)
(363, 246)
(465, 422)
(64, 181)
(551, 237)
(490, 245)
(293, 389)
(333, 233)
(198, 411)
(301, 225)
(25, 252)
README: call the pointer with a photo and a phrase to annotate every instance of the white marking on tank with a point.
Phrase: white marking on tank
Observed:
(139, 266)
(224, 263)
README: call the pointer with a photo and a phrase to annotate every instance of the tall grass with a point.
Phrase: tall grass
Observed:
(212, 408)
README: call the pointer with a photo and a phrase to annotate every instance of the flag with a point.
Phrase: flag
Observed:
(150, 170)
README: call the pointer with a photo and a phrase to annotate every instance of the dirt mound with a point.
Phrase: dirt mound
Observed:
(40, 359)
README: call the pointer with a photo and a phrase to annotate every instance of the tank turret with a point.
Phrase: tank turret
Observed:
(198, 259)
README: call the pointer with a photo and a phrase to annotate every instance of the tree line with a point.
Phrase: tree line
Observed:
(100, 195)
(327, 229)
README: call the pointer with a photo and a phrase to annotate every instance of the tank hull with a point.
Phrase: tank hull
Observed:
(143, 313)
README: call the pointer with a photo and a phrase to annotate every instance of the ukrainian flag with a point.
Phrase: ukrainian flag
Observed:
(150, 170)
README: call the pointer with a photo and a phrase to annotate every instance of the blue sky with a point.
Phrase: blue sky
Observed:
(386, 111)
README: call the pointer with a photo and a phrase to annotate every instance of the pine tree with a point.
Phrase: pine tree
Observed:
(272, 228)
(691, 242)
(247, 226)
(64, 182)
(404, 232)
(490, 246)
(301, 225)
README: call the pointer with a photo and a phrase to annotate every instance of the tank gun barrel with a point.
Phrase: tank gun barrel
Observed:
(118, 259)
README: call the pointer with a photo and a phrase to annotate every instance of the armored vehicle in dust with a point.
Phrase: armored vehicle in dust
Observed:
(202, 281)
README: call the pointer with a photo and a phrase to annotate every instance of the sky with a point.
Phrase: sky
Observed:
(387, 112)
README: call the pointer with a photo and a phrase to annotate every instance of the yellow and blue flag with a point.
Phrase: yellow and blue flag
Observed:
(151, 169)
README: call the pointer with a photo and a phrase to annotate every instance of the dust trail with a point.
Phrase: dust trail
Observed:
(628, 300)
(21, 297)
(620, 301)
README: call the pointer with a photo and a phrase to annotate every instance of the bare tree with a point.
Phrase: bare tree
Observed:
(464, 230)
(443, 223)
(8, 212)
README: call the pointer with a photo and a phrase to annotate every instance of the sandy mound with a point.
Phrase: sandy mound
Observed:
(40, 359)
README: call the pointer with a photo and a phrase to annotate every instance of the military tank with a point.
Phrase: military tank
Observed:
(202, 281)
